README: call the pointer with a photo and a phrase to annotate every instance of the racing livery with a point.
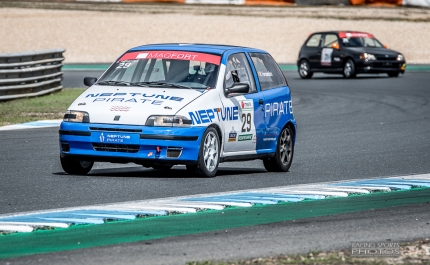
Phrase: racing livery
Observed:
(348, 53)
(192, 104)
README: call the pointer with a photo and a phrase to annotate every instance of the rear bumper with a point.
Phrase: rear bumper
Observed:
(138, 144)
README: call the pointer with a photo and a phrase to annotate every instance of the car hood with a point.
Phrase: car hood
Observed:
(133, 105)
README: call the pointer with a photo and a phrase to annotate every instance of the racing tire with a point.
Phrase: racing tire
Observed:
(305, 70)
(208, 161)
(162, 167)
(396, 74)
(76, 167)
(349, 69)
(283, 158)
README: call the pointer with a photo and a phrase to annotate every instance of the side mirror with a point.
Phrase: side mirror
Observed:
(238, 88)
(385, 46)
(89, 81)
(335, 46)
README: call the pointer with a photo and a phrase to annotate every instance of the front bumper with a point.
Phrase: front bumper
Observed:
(138, 144)
(379, 66)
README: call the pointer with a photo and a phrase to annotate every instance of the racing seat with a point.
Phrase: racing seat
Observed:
(178, 71)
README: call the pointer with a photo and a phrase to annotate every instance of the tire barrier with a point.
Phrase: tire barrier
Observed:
(30, 74)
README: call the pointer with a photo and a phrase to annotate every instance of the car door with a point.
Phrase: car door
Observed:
(330, 52)
(277, 99)
(242, 113)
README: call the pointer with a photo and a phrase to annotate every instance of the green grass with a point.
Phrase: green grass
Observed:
(52, 106)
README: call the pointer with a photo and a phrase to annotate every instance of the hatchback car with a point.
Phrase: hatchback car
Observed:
(182, 104)
(348, 53)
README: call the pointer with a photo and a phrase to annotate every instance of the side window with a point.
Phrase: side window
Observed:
(268, 72)
(239, 71)
(329, 40)
(314, 41)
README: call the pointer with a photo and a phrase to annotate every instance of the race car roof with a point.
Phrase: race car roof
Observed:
(340, 31)
(205, 48)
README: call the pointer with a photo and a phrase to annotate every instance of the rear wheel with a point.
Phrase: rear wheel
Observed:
(349, 69)
(305, 69)
(208, 161)
(396, 74)
(76, 167)
(283, 158)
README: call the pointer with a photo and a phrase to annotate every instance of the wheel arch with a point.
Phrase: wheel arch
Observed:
(293, 129)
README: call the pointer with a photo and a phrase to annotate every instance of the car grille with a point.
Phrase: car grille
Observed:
(383, 58)
(121, 148)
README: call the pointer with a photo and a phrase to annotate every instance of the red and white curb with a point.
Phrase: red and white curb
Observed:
(98, 214)
(32, 125)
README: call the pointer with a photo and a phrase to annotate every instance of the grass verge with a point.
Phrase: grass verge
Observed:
(417, 252)
(52, 106)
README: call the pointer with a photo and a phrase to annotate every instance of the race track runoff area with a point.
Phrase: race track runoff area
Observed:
(101, 225)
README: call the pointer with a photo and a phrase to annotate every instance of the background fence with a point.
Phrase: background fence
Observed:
(30, 74)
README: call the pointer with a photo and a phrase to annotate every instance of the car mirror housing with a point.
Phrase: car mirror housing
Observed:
(385, 46)
(335, 45)
(89, 81)
(238, 88)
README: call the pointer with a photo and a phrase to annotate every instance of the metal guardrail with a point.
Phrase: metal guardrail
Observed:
(30, 74)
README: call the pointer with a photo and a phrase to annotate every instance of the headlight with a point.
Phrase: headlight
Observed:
(400, 57)
(168, 120)
(367, 56)
(76, 116)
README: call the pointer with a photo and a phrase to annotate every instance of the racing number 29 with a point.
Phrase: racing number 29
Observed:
(246, 117)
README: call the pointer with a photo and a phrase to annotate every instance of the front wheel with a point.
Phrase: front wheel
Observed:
(305, 70)
(207, 163)
(76, 167)
(283, 158)
(349, 69)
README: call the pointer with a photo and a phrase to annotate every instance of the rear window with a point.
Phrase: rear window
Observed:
(314, 41)
(192, 69)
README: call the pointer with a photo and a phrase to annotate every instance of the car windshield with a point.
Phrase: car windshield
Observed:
(173, 69)
(359, 40)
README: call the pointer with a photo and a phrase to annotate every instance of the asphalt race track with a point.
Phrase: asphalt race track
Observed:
(371, 126)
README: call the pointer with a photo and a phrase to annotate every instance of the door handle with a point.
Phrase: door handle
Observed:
(260, 101)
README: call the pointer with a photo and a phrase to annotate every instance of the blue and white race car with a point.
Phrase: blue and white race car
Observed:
(192, 104)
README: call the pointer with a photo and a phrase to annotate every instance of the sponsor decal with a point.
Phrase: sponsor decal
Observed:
(219, 114)
(265, 74)
(232, 135)
(120, 108)
(278, 108)
(82, 104)
(154, 99)
(245, 137)
(102, 138)
(114, 138)
(150, 154)
(116, 118)
(246, 104)
(326, 56)
(269, 139)
(336, 59)
(172, 55)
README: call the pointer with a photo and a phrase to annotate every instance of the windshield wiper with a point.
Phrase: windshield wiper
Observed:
(160, 84)
(113, 83)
